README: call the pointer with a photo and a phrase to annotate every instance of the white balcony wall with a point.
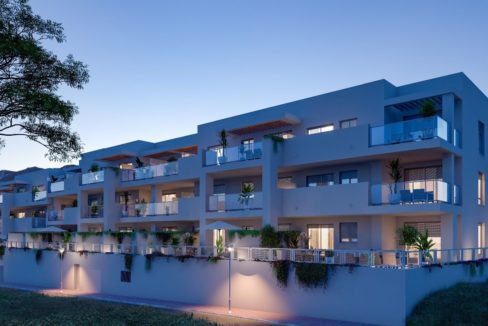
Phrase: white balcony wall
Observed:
(57, 186)
(325, 200)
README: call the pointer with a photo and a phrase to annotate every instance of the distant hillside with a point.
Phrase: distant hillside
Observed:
(6, 175)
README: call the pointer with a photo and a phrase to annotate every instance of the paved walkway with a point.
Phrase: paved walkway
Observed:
(217, 314)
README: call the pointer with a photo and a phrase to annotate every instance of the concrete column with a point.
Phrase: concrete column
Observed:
(111, 211)
(154, 194)
(449, 173)
(272, 206)
(206, 186)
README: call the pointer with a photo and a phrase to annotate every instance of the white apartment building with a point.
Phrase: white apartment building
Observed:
(318, 165)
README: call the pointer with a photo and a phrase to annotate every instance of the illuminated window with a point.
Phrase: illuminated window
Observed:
(481, 235)
(347, 177)
(320, 236)
(320, 180)
(320, 129)
(481, 189)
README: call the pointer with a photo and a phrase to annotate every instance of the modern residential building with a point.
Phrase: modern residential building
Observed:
(320, 165)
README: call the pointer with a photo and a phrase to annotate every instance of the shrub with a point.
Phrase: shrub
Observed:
(281, 270)
(269, 238)
(311, 275)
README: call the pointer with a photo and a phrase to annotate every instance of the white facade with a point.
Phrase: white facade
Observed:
(328, 177)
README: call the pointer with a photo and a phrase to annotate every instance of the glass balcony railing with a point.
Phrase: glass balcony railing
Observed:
(40, 195)
(234, 202)
(93, 211)
(221, 156)
(92, 177)
(57, 186)
(38, 222)
(415, 192)
(148, 172)
(409, 131)
(150, 209)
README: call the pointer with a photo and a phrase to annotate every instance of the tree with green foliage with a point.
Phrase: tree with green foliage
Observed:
(30, 77)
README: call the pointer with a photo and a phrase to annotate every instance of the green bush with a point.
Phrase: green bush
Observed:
(38, 256)
(281, 270)
(269, 238)
(311, 275)
(128, 261)
(2, 251)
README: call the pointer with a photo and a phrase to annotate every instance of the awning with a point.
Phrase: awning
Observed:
(155, 153)
(117, 157)
(286, 120)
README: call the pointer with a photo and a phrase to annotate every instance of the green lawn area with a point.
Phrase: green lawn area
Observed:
(463, 304)
(27, 308)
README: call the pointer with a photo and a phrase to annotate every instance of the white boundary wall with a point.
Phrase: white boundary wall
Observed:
(367, 295)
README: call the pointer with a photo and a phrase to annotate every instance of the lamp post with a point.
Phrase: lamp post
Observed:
(230, 249)
(61, 252)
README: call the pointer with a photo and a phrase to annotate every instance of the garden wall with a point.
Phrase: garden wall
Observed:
(368, 295)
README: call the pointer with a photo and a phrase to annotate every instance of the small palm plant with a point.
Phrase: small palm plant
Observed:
(247, 192)
(424, 244)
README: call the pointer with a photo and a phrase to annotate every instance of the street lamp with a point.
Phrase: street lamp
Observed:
(61, 252)
(230, 249)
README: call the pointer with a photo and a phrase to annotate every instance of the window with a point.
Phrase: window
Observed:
(318, 130)
(248, 144)
(348, 177)
(481, 189)
(168, 198)
(481, 235)
(481, 137)
(348, 232)
(349, 123)
(248, 227)
(320, 180)
(286, 183)
(321, 236)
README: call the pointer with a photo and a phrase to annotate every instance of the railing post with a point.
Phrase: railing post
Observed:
(420, 258)
(293, 254)
(371, 259)
(435, 256)
(462, 255)
(473, 254)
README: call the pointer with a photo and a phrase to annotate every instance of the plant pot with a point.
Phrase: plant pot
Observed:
(394, 198)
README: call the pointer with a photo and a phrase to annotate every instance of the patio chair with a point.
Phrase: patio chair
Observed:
(405, 196)
(419, 196)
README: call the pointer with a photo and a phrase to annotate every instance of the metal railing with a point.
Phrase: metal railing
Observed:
(148, 172)
(400, 259)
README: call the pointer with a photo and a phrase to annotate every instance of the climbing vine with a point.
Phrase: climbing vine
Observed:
(311, 275)
(281, 270)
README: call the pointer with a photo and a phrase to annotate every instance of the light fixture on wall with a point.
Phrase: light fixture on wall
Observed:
(61, 253)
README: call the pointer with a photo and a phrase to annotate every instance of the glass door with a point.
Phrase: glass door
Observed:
(321, 236)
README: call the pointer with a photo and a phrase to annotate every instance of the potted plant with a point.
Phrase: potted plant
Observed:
(395, 174)
(222, 142)
(428, 109)
(94, 209)
(423, 244)
(94, 168)
(247, 192)
(35, 191)
(125, 211)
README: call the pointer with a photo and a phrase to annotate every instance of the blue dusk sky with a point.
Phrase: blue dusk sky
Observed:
(160, 68)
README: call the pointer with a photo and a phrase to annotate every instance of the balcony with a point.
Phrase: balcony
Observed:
(40, 195)
(68, 215)
(92, 177)
(411, 131)
(234, 202)
(150, 209)
(149, 172)
(27, 224)
(226, 155)
(415, 192)
(93, 211)
(327, 200)
(57, 186)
